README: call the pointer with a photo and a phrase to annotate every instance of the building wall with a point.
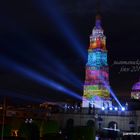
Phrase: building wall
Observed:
(122, 119)
(81, 118)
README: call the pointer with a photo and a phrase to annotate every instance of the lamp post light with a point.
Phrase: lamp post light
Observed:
(126, 106)
(103, 108)
(110, 108)
(123, 108)
(116, 108)
(28, 121)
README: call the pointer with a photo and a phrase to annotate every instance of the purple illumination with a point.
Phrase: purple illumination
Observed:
(116, 109)
(98, 24)
(123, 108)
(103, 108)
(135, 94)
(110, 108)
(136, 86)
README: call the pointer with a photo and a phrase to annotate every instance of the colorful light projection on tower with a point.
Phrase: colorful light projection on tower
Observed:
(94, 89)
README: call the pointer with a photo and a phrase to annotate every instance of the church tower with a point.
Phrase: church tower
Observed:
(97, 70)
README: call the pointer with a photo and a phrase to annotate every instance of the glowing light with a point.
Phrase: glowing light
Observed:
(103, 108)
(111, 91)
(110, 108)
(136, 87)
(123, 108)
(97, 59)
(116, 109)
(135, 94)
(92, 87)
(14, 132)
(98, 39)
(96, 86)
(96, 67)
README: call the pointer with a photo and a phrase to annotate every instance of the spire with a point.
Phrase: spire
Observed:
(98, 15)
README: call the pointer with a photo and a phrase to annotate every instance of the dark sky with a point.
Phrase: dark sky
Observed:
(41, 35)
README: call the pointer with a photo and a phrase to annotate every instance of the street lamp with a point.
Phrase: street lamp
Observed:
(123, 108)
(110, 108)
(28, 120)
(103, 108)
(116, 109)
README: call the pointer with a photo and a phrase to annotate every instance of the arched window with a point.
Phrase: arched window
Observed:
(70, 123)
(113, 125)
(90, 123)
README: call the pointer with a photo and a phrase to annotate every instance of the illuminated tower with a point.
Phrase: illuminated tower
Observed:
(97, 69)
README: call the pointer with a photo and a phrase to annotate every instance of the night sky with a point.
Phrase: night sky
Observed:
(43, 35)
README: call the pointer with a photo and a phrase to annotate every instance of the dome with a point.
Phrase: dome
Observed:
(135, 94)
(136, 87)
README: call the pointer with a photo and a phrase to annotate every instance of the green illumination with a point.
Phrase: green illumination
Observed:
(92, 87)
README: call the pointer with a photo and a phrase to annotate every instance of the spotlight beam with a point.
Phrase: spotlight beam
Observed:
(22, 70)
(39, 47)
(62, 72)
(57, 64)
(61, 76)
(48, 7)
(111, 91)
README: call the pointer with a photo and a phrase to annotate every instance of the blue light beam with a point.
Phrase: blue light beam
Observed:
(49, 7)
(57, 64)
(62, 72)
(111, 91)
(45, 54)
(22, 70)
